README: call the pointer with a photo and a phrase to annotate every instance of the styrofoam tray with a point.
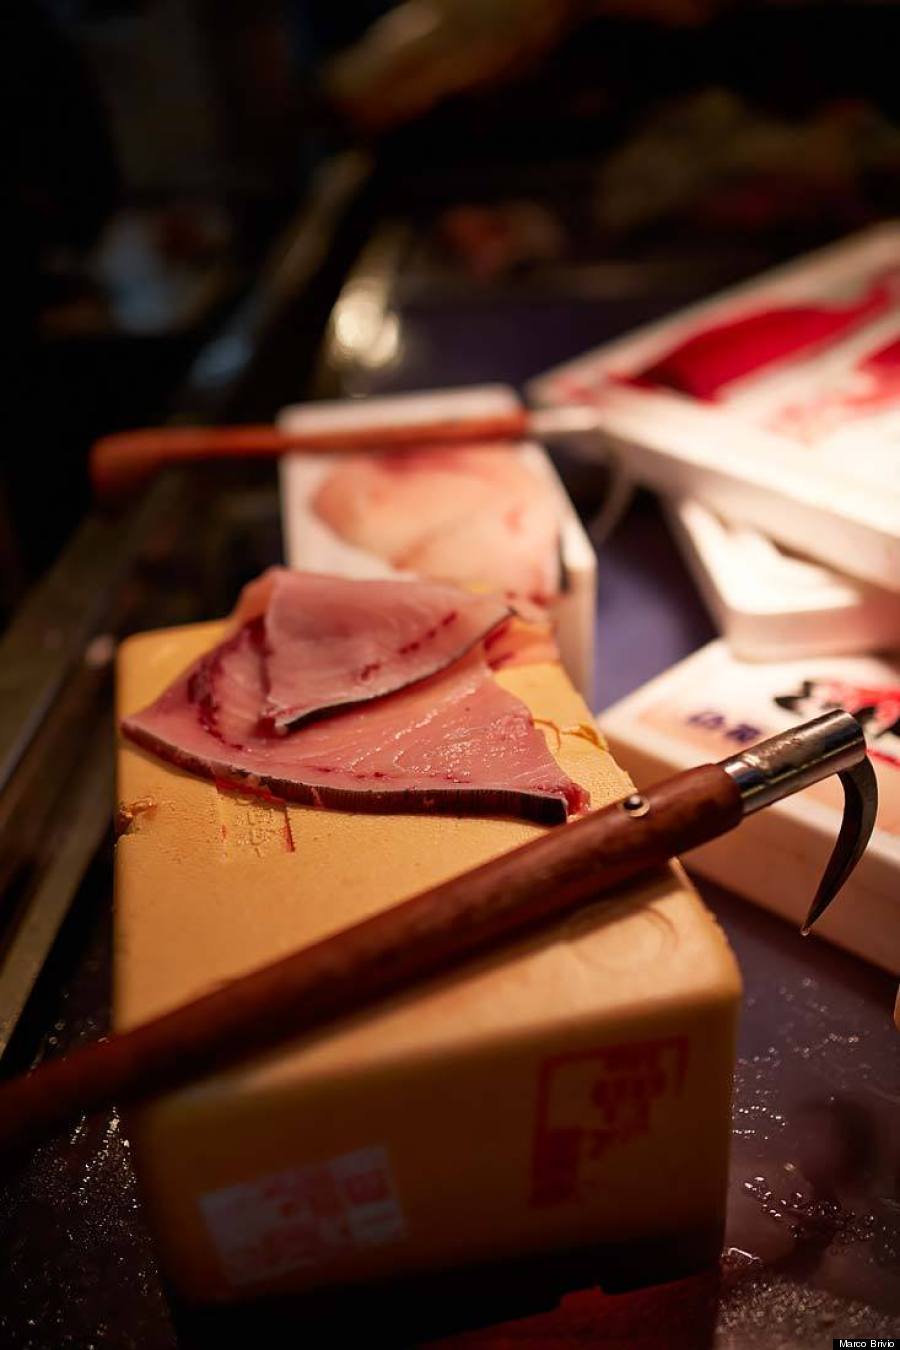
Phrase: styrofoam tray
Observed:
(311, 544)
(785, 449)
(770, 604)
(711, 706)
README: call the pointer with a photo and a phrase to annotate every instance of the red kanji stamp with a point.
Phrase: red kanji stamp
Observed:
(591, 1100)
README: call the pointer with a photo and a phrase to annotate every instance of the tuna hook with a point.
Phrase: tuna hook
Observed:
(795, 759)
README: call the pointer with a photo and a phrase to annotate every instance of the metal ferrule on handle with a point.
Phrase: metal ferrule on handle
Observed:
(796, 759)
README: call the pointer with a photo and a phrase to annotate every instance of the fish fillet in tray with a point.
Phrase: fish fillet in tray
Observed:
(487, 517)
(776, 403)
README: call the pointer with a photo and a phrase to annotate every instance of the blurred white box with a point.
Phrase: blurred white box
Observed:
(770, 604)
(802, 444)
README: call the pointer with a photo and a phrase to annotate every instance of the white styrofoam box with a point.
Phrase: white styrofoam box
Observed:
(791, 449)
(711, 706)
(311, 544)
(770, 604)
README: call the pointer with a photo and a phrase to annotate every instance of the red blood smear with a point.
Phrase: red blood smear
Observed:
(520, 644)
(888, 358)
(871, 384)
(883, 367)
(703, 364)
(676, 1316)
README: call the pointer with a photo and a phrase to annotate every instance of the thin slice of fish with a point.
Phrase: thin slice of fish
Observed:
(455, 743)
(329, 642)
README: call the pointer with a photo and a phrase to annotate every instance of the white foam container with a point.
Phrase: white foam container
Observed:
(770, 604)
(712, 705)
(311, 544)
(837, 499)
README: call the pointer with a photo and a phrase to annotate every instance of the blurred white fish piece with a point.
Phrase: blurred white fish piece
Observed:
(486, 517)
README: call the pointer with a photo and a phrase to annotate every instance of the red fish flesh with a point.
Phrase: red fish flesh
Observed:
(465, 515)
(705, 363)
(454, 742)
(329, 642)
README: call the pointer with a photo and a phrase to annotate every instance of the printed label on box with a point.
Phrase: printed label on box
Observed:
(594, 1100)
(304, 1216)
(721, 724)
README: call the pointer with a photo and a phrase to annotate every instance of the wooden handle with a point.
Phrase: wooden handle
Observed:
(545, 879)
(122, 462)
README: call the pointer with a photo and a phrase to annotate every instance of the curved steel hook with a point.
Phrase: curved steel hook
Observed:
(860, 808)
(795, 759)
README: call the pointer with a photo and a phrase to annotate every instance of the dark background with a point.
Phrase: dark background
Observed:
(158, 148)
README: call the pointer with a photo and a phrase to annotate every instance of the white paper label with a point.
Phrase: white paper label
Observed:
(304, 1216)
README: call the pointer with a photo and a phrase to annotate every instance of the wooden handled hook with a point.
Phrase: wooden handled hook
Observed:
(546, 879)
(543, 880)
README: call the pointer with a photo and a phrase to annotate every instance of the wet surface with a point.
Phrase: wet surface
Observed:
(814, 1203)
(77, 1267)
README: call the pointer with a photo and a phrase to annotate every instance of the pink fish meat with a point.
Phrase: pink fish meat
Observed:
(329, 642)
(453, 742)
(471, 514)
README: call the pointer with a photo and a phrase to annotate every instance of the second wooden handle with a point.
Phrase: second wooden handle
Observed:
(126, 459)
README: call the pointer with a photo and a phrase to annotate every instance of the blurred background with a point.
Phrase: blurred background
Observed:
(186, 173)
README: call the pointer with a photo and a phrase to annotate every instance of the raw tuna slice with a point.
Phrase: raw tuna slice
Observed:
(475, 514)
(329, 642)
(456, 743)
